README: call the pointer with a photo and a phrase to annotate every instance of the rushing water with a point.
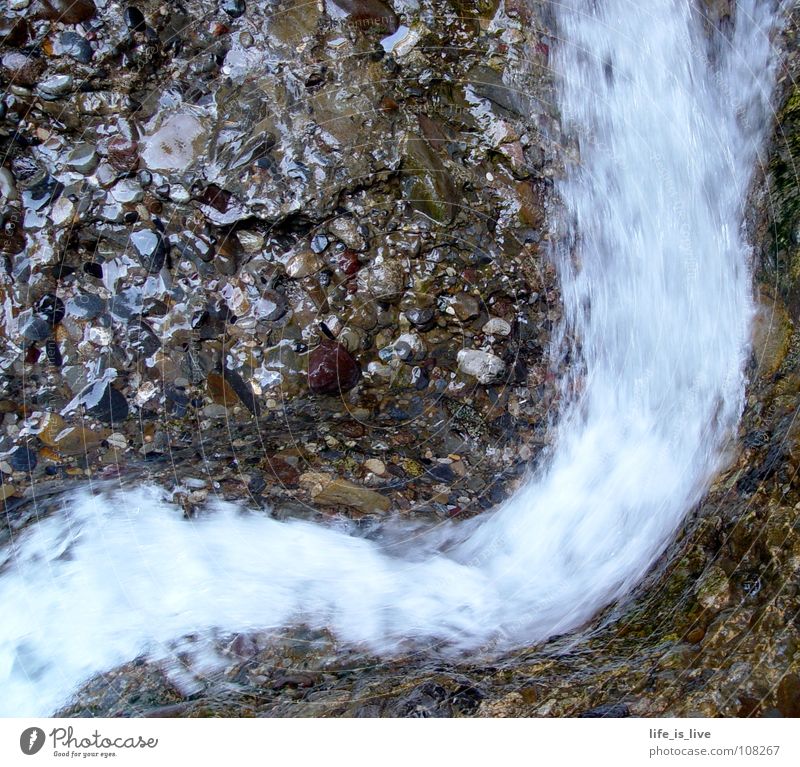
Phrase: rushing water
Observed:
(657, 287)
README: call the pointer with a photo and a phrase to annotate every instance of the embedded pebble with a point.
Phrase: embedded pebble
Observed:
(111, 407)
(375, 465)
(465, 307)
(134, 19)
(383, 281)
(55, 86)
(303, 264)
(82, 158)
(85, 306)
(123, 154)
(75, 46)
(34, 328)
(332, 369)
(21, 68)
(172, 146)
(234, 8)
(150, 247)
(329, 491)
(497, 327)
(484, 366)
(23, 459)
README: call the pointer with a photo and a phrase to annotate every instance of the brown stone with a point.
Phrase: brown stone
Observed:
(332, 369)
(330, 491)
(65, 11)
(789, 695)
(278, 469)
(14, 32)
(123, 154)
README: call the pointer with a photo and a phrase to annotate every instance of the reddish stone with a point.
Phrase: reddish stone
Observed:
(217, 198)
(347, 262)
(332, 369)
(286, 474)
(65, 11)
(123, 154)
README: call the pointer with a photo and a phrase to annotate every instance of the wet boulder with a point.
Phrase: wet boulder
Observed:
(332, 369)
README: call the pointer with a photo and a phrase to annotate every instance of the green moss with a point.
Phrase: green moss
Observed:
(784, 169)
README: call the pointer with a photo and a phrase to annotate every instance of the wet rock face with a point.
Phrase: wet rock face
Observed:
(184, 205)
(194, 217)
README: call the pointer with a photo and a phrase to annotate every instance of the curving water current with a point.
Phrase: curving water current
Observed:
(657, 288)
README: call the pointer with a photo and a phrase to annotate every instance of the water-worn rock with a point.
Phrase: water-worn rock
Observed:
(496, 326)
(83, 158)
(55, 86)
(465, 307)
(21, 68)
(326, 490)
(228, 388)
(382, 281)
(112, 406)
(234, 8)
(123, 154)
(134, 19)
(150, 248)
(50, 308)
(332, 369)
(484, 366)
(75, 46)
(303, 264)
(23, 459)
(85, 306)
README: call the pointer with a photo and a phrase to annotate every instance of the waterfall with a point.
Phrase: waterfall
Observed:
(657, 290)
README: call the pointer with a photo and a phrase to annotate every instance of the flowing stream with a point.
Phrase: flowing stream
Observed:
(657, 288)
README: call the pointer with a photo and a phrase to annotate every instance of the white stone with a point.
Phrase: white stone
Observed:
(63, 211)
(127, 190)
(375, 465)
(497, 327)
(484, 366)
(175, 145)
(117, 440)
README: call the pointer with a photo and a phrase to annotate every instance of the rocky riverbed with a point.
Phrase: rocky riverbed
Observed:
(297, 253)
(252, 250)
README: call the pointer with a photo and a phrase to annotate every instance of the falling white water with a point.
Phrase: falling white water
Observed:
(658, 291)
